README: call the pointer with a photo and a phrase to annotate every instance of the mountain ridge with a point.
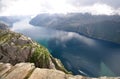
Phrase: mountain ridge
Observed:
(96, 26)
(16, 49)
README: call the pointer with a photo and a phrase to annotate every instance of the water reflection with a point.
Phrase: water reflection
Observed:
(79, 54)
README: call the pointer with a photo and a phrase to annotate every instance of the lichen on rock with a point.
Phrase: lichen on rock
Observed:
(16, 48)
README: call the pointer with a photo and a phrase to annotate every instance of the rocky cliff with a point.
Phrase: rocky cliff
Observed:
(28, 71)
(16, 48)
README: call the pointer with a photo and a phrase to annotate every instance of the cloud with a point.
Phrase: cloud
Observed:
(34, 32)
(5, 3)
(115, 3)
(19, 7)
(33, 7)
(98, 9)
(67, 36)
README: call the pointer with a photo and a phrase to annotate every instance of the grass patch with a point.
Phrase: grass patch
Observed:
(40, 57)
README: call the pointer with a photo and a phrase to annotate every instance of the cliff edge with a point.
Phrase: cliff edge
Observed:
(28, 71)
(23, 58)
(16, 48)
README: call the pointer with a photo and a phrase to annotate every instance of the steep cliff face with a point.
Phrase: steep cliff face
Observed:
(15, 48)
(28, 71)
(97, 26)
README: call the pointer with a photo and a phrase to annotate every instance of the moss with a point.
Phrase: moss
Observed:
(6, 36)
(59, 65)
(40, 57)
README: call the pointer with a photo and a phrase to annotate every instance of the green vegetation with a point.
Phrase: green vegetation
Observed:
(59, 65)
(6, 36)
(33, 51)
(40, 57)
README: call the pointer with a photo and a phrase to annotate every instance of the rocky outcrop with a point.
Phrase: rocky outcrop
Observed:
(19, 71)
(16, 48)
(28, 71)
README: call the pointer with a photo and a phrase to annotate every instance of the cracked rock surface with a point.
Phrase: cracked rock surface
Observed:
(29, 71)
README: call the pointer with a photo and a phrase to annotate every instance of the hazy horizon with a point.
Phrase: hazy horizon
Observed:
(34, 7)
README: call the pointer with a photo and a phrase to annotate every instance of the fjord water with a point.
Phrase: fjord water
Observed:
(78, 53)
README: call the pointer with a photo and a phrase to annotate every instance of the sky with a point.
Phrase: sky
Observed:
(33, 7)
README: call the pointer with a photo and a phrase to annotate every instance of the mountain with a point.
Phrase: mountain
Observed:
(16, 48)
(97, 26)
(18, 53)
(3, 26)
(9, 20)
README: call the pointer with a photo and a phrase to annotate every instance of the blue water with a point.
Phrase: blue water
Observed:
(86, 56)
(78, 53)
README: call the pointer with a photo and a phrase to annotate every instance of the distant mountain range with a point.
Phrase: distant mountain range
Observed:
(3, 26)
(18, 49)
(9, 20)
(96, 26)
